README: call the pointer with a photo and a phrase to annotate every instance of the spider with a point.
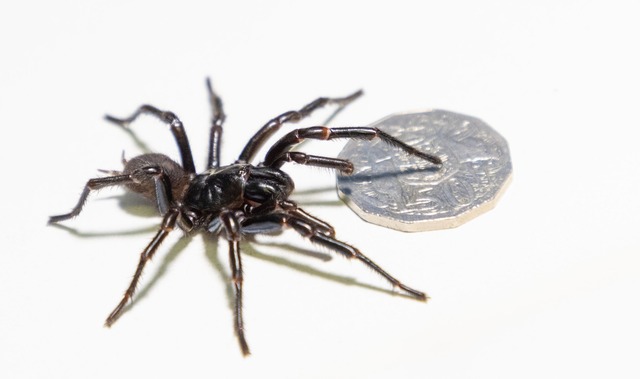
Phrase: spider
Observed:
(241, 199)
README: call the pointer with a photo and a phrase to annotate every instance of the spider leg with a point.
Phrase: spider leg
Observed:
(275, 222)
(177, 129)
(232, 229)
(92, 184)
(161, 184)
(293, 209)
(281, 147)
(342, 165)
(217, 119)
(315, 229)
(310, 231)
(168, 223)
(255, 218)
(351, 252)
(274, 124)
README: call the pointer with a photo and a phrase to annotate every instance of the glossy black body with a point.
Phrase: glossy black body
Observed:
(232, 186)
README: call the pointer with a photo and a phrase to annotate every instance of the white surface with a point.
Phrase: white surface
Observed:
(545, 285)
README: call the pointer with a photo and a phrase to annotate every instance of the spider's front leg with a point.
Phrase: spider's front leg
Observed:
(310, 230)
(342, 165)
(278, 153)
(274, 124)
(352, 252)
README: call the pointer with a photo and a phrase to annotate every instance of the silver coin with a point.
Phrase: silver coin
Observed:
(391, 188)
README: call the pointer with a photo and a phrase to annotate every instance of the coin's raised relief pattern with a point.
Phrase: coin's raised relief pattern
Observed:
(393, 189)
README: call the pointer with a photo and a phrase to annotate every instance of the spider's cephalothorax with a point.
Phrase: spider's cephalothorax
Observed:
(239, 199)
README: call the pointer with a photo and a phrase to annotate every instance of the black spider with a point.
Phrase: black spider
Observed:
(241, 198)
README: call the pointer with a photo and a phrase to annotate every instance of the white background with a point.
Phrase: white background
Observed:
(545, 285)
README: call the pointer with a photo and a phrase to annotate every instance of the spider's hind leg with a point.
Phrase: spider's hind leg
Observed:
(159, 187)
(92, 184)
(168, 223)
(169, 118)
(342, 165)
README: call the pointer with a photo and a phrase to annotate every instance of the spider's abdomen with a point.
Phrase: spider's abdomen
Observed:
(143, 183)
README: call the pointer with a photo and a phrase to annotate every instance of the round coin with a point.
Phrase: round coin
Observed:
(390, 188)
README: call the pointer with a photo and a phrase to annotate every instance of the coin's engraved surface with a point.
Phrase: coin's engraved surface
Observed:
(391, 188)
